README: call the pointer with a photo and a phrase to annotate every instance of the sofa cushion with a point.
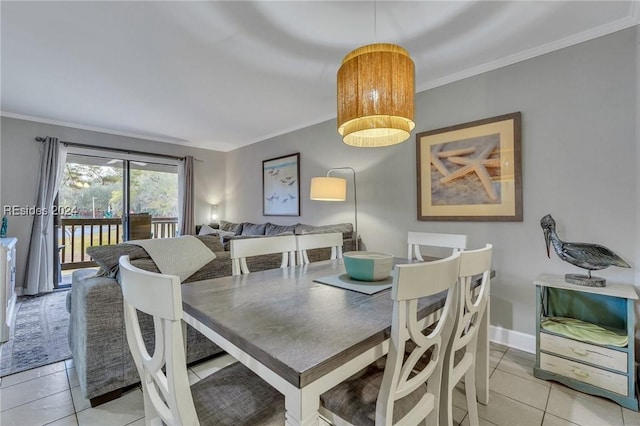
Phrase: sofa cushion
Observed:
(273, 229)
(236, 228)
(107, 257)
(253, 228)
(227, 239)
(212, 242)
(146, 264)
(225, 235)
(218, 267)
(220, 234)
(345, 228)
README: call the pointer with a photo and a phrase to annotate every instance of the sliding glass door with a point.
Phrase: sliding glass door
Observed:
(153, 191)
(108, 200)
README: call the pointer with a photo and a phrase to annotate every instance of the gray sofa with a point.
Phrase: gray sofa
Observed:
(97, 336)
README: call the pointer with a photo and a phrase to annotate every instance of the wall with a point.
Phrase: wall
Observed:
(637, 179)
(21, 158)
(579, 135)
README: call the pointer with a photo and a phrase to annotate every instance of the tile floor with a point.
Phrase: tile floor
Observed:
(51, 395)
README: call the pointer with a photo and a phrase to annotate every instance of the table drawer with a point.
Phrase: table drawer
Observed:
(593, 354)
(583, 373)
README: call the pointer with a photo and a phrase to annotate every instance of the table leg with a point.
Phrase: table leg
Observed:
(482, 358)
(301, 407)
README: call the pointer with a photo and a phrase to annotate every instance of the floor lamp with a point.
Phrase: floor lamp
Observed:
(335, 189)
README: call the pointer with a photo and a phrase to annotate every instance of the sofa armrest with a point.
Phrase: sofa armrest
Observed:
(97, 324)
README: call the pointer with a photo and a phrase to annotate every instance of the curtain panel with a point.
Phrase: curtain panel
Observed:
(40, 265)
(186, 220)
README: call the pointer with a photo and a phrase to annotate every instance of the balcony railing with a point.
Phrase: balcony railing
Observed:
(75, 235)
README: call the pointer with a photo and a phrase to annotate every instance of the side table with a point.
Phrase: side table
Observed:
(582, 360)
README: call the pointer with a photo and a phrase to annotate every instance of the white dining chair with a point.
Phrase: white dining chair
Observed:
(242, 248)
(393, 390)
(455, 242)
(460, 357)
(306, 242)
(231, 396)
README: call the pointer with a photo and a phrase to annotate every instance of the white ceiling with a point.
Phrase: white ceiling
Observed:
(221, 75)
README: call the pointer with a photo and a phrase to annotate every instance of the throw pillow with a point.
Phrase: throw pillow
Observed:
(273, 229)
(206, 230)
(253, 228)
(236, 228)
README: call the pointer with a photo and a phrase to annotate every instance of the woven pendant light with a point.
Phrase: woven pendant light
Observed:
(376, 96)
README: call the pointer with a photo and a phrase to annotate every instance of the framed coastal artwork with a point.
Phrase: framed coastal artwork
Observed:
(471, 171)
(281, 186)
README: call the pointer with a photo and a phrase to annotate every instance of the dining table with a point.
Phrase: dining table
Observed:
(302, 336)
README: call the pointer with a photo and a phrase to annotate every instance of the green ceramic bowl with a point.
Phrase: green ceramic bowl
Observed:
(368, 265)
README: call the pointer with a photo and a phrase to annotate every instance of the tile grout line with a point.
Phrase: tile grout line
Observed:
(544, 411)
(73, 402)
(38, 399)
(34, 378)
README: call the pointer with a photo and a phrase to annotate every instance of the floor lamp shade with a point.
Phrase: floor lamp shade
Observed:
(328, 189)
(376, 90)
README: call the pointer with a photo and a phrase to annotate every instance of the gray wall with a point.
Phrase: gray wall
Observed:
(579, 110)
(21, 157)
(579, 163)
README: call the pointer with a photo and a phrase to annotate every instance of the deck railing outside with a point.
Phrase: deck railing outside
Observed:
(75, 235)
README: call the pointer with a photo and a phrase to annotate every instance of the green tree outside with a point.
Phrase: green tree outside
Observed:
(90, 188)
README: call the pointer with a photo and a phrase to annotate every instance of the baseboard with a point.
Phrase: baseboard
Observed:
(512, 339)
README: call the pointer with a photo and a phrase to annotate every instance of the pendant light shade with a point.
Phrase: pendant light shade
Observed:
(376, 91)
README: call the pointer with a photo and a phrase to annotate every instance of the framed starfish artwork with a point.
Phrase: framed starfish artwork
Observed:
(281, 186)
(471, 171)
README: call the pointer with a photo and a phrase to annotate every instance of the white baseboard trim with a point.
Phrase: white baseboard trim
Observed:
(512, 339)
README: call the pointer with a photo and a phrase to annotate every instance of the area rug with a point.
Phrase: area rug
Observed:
(39, 334)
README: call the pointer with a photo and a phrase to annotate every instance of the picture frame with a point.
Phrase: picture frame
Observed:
(281, 186)
(471, 171)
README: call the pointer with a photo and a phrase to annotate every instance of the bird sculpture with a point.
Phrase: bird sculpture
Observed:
(583, 255)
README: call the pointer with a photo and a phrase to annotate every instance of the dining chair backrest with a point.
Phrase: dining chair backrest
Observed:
(167, 395)
(455, 242)
(243, 248)
(404, 375)
(460, 358)
(306, 242)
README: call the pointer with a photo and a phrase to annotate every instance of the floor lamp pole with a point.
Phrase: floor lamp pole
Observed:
(355, 197)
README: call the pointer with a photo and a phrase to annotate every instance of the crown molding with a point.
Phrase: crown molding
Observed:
(631, 20)
(42, 120)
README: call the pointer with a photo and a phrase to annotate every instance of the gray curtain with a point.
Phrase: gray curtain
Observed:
(185, 181)
(40, 274)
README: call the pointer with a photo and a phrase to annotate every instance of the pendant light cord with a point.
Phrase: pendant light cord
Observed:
(375, 21)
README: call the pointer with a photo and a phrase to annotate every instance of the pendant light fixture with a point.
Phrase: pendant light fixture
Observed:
(376, 91)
